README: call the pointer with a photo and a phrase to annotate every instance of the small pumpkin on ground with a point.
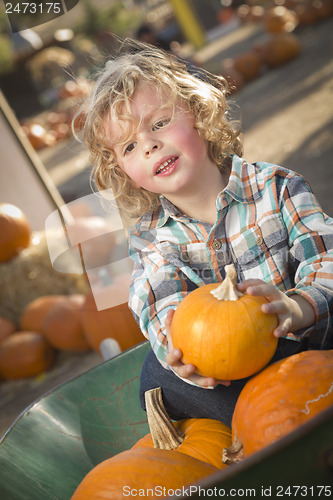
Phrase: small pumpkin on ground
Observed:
(38, 136)
(7, 327)
(24, 355)
(62, 325)
(248, 65)
(34, 313)
(280, 49)
(234, 78)
(279, 399)
(324, 9)
(14, 231)
(223, 332)
(279, 19)
(172, 456)
(115, 320)
(312, 11)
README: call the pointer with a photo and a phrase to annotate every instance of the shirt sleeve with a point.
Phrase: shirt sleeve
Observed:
(310, 233)
(159, 283)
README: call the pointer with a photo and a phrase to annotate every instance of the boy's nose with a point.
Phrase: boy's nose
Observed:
(149, 150)
(151, 147)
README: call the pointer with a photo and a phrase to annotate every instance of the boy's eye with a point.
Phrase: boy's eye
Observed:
(161, 123)
(129, 148)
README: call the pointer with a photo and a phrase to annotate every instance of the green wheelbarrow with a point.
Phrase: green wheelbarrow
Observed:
(63, 435)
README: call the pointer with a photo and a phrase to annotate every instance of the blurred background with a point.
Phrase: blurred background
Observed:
(277, 58)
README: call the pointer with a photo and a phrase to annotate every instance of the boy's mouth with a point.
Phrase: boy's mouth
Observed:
(166, 165)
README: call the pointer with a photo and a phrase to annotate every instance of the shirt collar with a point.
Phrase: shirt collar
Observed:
(243, 181)
(168, 209)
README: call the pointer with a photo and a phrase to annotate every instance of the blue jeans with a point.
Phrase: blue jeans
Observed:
(182, 400)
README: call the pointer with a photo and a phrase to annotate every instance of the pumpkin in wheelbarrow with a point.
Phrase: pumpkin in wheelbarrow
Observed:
(173, 455)
(280, 399)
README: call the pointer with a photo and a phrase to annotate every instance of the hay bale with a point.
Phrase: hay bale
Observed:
(30, 275)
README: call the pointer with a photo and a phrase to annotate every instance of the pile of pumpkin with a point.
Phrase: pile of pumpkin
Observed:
(308, 12)
(177, 454)
(54, 322)
(281, 46)
(55, 125)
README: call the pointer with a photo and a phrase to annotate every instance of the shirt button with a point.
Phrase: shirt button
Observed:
(184, 257)
(259, 241)
(216, 244)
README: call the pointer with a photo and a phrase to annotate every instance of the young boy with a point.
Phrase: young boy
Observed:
(162, 139)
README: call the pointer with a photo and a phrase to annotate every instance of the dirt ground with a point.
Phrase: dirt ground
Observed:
(287, 116)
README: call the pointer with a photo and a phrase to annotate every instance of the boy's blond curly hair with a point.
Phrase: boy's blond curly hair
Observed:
(203, 94)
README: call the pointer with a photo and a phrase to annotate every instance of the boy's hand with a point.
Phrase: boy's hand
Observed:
(174, 356)
(293, 312)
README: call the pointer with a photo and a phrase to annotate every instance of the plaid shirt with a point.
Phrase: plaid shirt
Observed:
(268, 224)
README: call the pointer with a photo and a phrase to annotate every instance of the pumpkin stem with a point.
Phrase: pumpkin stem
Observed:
(227, 289)
(164, 434)
(233, 453)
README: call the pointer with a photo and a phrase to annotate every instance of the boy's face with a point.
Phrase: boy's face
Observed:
(164, 154)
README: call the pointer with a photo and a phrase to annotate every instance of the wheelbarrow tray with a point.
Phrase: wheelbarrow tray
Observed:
(63, 435)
